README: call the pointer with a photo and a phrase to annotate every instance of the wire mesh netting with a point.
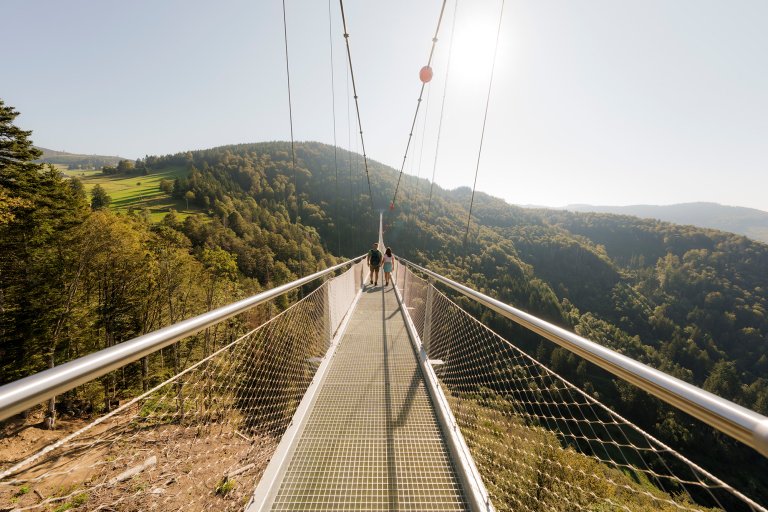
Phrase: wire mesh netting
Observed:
(541, 443)
(201, 439)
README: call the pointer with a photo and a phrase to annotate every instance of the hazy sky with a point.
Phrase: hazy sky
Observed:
(603, 102)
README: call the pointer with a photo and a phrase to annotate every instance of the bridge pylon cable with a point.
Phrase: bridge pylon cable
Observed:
(335, 146)
(293, 148)
(349, 155)
(382, 247)
(357, 102)
(442, 106)
(418, 104)
(485, 119)
(423, 136)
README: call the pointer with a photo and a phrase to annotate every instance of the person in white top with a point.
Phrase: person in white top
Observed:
(389, 266)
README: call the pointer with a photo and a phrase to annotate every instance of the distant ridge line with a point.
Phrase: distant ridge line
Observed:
(750, 222)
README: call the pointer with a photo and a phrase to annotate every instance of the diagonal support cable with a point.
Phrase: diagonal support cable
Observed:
(335, 146)
(357, 103)
(485, 119)
(418, 104)
(293, 148)
(442, 107)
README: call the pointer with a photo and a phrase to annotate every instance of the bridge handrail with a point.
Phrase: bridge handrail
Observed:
(732, 419)
(25, 393)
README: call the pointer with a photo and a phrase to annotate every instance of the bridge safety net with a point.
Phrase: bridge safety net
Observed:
(200, 439)
(538, 441)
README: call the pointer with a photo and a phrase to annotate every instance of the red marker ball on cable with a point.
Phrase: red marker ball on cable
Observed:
(425, 75)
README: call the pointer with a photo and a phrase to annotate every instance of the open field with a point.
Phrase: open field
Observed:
(137, 192)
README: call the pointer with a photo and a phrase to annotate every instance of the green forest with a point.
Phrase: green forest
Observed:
(76, 277)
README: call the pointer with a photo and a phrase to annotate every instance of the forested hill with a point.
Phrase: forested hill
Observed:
(77, 161)
(744, 221)
(689, 301)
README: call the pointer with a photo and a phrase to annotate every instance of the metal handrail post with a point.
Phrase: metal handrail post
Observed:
(24, 393)
(406, 273)
(732, 419)
(427, 340)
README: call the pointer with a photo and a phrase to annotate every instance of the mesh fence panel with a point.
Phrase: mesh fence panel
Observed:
(198, 441)
(341, 294)
(415, 297)
(400, 274)
(539, 442)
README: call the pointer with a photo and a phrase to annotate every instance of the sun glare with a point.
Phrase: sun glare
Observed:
(473, 47)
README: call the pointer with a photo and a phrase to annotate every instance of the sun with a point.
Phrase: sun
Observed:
(473, 45)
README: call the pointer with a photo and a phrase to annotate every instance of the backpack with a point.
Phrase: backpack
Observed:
(375, 257)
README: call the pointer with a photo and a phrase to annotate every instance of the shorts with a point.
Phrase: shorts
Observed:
(388, 266)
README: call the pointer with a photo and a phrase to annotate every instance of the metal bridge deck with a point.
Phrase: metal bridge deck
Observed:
(372, 441)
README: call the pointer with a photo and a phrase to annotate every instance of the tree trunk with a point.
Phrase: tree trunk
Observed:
(145, 373)
(179, 384)
(50, 414)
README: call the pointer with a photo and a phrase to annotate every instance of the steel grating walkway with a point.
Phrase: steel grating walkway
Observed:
(372, 441)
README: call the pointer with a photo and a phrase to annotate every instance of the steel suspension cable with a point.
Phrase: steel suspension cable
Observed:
(349, 154)
(442, 106)
(335, 147)
(418, 104)
(417, 174)
(357, 103)
(485, 118)
(423, 136)
(293, 149)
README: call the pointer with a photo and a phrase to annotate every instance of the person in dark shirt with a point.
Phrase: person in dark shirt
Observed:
(374, 262)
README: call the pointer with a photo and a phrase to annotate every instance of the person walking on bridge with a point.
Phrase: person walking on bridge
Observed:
(374, 262)
(389, 266)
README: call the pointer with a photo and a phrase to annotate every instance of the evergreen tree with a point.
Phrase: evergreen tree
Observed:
(16, 166)
(99, 198)
(36, 219)
(16, 152)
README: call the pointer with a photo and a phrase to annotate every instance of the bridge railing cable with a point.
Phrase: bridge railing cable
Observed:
(198, 439)
(541, 443)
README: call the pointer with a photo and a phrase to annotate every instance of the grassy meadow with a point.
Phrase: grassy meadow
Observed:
(137, 192)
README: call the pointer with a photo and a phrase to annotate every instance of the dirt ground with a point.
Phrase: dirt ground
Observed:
(21, 437)
(124, 466)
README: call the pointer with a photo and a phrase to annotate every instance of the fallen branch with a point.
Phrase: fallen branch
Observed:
(243, 469)
(243, 436)
(130, 473)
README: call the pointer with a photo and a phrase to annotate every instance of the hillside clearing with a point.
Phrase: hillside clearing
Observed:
(136, 192)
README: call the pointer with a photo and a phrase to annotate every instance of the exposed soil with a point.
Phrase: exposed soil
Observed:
(176, 466)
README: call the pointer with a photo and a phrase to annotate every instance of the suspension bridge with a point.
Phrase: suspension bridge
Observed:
(363, 397)
(366, 397)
